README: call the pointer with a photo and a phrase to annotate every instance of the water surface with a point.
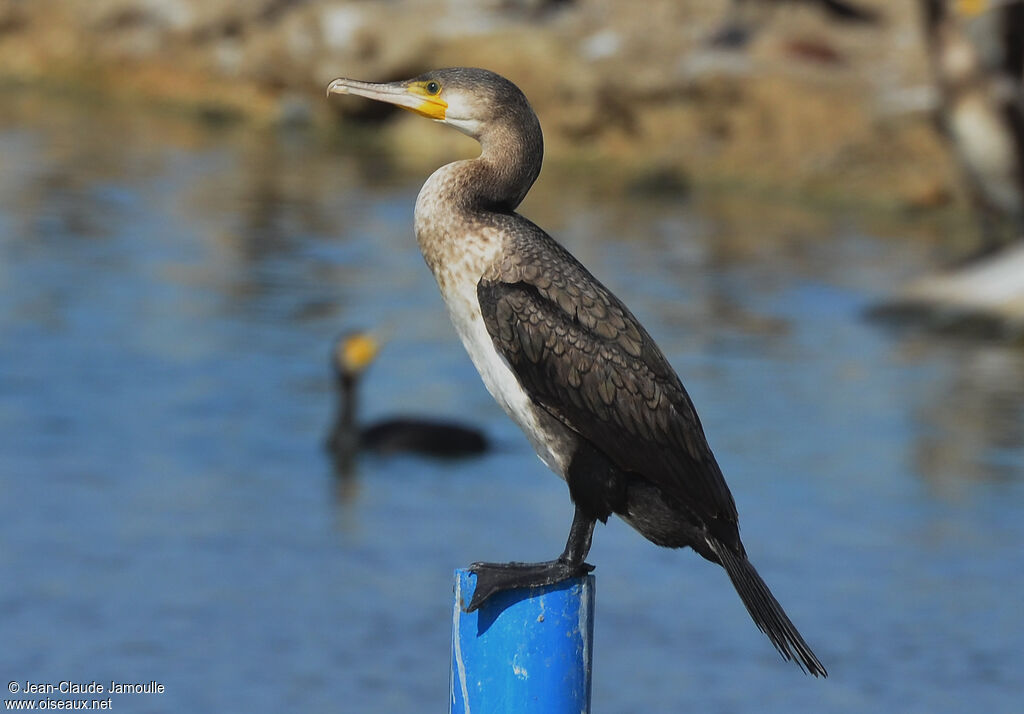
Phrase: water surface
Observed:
(168, 298)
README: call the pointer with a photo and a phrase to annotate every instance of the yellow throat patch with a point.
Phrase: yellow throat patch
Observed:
(432, 106)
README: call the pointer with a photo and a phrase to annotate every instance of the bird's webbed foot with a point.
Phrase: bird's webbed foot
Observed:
(492, 578)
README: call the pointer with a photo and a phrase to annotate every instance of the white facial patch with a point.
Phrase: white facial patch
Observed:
(460, 114)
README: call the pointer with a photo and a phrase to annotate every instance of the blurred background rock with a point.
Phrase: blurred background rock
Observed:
(809, 104)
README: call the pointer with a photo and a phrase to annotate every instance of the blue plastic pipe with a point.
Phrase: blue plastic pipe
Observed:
(524, 651)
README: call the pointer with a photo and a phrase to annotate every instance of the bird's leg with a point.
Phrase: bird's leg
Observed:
(493, 578)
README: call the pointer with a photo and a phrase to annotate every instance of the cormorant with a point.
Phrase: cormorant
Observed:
(563, 356)
(352, 354)
(981, 108)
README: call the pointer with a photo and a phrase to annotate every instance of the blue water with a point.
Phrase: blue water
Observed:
(168, 299)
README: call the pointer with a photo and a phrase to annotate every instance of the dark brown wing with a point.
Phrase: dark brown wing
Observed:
(584, 358)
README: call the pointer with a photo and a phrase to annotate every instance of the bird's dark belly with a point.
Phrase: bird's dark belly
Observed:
(660, 521)
(600, 488)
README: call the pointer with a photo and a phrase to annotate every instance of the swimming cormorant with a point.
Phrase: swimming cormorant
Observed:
(563, 356)
(352, 354)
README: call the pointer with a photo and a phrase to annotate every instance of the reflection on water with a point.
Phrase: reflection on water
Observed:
(972, 423)
(168, 299)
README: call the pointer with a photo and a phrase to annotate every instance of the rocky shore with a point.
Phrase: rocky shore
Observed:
(626, 92)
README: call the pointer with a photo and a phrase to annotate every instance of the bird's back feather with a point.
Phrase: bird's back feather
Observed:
(581, 355)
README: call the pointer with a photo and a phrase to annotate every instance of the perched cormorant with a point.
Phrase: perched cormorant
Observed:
(563, 356)
(352, 354)
(981, 109)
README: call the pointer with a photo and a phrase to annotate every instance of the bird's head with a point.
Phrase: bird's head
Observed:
(471, 100)
(971, 8)
(353, 353)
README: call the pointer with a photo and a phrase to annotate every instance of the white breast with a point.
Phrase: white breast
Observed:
(458, 259)
(548, 437)
(987, 150)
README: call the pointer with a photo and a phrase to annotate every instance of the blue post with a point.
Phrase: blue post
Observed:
(524, 651)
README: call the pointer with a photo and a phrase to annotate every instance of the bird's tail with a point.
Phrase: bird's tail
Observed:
(766, 611)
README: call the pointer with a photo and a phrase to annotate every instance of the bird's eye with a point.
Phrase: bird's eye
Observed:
(433, 87)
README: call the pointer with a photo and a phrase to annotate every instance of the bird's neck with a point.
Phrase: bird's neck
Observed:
(508, 164)
(348, 398)
(954, 58)
(459, 204)
(343, 439)
(496, 181)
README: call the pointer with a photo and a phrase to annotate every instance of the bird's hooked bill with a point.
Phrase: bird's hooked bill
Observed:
(413, 96)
